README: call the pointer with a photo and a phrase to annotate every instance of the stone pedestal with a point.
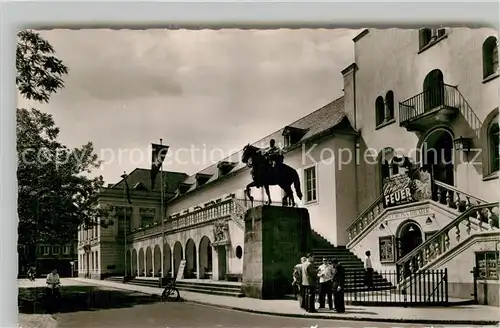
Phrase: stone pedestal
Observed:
(275, 239)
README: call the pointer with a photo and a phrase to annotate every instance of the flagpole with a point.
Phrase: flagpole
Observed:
(162, 217)
(125, 221)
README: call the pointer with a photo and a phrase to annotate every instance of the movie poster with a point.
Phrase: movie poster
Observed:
(405, 188)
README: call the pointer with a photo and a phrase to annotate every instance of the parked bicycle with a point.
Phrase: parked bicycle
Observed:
(170, 293)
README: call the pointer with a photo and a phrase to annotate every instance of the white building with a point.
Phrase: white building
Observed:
(410, 95)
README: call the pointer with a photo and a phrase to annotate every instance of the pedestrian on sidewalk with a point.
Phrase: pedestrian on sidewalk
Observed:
(368, 271)
(309, 276)
(325, 274)
(297, 283)
(338, 286)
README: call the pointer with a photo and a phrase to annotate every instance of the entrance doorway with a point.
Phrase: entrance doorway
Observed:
(222, 262)
(437, 150)
(410, 237)
(433, 90)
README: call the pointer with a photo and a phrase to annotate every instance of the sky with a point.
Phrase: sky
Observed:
(203, 89)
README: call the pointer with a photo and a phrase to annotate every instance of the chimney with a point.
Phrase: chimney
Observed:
(349, 74)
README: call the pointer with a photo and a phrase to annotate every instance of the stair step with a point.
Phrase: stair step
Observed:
(212, 291)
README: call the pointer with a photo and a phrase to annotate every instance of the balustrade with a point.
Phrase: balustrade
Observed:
(443, 194)
(450, 236)
(228, 207)
(366, 218)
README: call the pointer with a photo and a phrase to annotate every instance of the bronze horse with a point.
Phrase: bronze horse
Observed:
(264, 175)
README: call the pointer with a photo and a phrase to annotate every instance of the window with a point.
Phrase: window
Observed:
(56, 250)
(490, 56)
(487, 265)
(66, 250)
(379, 110)
(96, 261)
(494, 148)
(429, 36)
(389, 105)
(310, 182)
(45, 250)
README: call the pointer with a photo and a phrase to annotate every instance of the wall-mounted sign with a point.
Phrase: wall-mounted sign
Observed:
(414, 186)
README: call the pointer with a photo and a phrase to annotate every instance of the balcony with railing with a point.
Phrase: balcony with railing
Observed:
(222, 209)
(440, 104)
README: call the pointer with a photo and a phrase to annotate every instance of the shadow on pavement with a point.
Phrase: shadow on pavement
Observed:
(82, 298)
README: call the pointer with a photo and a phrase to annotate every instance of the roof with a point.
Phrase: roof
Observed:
(143, 177)
(316, 123)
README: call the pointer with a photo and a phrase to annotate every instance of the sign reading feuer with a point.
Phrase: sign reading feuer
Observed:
(407, 188)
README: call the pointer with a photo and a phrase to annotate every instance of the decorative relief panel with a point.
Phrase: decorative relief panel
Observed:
(221, 233)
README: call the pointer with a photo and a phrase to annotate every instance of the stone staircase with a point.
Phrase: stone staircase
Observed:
(221, 288)
(353, 265)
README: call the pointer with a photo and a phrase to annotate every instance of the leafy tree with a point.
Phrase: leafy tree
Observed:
(55, 193)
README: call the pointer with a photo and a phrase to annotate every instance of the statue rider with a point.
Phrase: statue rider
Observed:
(274, 154)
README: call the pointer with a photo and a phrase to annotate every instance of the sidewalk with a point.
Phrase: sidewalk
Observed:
(458, 315)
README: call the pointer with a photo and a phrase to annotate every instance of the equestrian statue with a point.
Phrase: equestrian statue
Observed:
(268, 169)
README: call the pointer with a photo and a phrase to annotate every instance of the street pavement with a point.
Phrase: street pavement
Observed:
(177, 315)
(104, 304)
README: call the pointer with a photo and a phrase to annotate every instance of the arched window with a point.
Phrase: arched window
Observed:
(389, 105)
(379, 110)
(494, 148)
(490, 56)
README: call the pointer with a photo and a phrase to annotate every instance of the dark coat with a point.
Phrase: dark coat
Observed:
(338, 277)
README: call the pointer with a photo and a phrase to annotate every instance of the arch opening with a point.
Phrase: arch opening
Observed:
(205, 254)
(438, 158)
(178, 256)
(167, 261)
(157, 261)
(410, 237)
(190, 271)
(149, 262)
(141, 263)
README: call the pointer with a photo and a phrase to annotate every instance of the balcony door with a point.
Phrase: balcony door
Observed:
(433, 90)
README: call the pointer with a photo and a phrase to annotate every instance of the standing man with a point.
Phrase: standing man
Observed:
(309, 276)
(325, 274)
(297, 282)
(368, 271)
(338, 286)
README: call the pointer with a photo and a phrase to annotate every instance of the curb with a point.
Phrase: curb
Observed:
(341, 317)
(331, 317)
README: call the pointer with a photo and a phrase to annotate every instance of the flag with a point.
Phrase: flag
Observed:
(127, 190)
(157, 157)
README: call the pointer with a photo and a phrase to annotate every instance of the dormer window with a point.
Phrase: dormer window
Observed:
(140, 186)
(201, 179)
(429, 36)
(184, 187)
(293, 135)
(225, 167)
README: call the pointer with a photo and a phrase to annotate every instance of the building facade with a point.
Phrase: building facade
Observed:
(414, 101)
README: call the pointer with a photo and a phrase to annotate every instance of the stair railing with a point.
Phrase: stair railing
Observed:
(454, 198)
(468, 113)
(366, 218)
(444, 194)
(441, 241)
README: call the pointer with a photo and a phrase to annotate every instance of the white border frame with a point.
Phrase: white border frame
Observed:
(16, 15)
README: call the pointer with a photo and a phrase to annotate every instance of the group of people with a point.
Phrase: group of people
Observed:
(331, 278)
